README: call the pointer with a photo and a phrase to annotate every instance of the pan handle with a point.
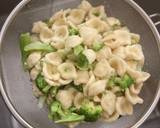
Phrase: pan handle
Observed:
(154, 16)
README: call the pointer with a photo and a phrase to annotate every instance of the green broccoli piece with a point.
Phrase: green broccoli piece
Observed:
(39, 46)
(25, 39)
(97, 46)
(90, 111)
(125, 82)
(78, 49)
(70, 117)
(53, 91)
(82, 62)
(77, 87)
(96, 14)
(42, 84)
(63, 116)
(73, 31)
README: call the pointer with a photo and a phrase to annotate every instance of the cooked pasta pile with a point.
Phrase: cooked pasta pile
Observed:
(84, 65)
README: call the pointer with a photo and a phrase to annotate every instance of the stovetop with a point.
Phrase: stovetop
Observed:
(8, 121)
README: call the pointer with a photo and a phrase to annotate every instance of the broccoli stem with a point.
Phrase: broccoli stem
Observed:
(39, 46)
(25, 39)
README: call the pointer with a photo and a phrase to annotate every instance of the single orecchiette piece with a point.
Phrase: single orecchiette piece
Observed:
(103, 69)
(104, 53)
(82, 77)
(134, 52)
(97, 87)
(117, 38)
(64, 82)
(113, 21)
(97, 99)
(90, 55)
(118, 64)
(34, 73)
(52, 82)
(50, 72)
(53, 58)
(38, 26)
(88, 34)
(97, 12)
(123, 106)
(135, 38)
(110, 118)
(66, 97)
(61, 31)
(136, 88)
(58, 43)
(46, 35)
(78, 99)
(59, 18)
(139, 76)
(76, 16)
(33, 59)
(132, 64)
(91, 80)
(67, 70)
(98, 24)
(85, 5)
(108, 102)
(73, 41)
(120, 52)
(133, 98)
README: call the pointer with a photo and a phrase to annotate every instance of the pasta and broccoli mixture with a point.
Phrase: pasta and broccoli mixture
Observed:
(84, 65)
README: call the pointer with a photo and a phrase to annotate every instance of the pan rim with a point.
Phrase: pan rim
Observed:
(12, 16)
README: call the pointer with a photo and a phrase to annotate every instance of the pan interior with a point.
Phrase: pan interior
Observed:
(17, 83)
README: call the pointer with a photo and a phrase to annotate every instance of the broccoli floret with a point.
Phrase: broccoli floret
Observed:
(78, 49)
(73, 31)
(124, 82)
(90, 111)
(97, 46)
(63, 116)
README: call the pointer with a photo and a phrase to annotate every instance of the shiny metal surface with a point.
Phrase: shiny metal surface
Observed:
(16, 88)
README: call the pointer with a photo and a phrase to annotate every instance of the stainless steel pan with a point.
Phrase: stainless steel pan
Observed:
(16, 87)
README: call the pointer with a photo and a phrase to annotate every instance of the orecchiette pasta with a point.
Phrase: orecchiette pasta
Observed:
(134, 52)
(86, 65)
(97, 87)
(97, 12)
(53, 58)
(66, 97)
(76, 16)
(123, 106)
(38, 26)
(133, 98)
(108, 102)
(103, 69)
(85, 5)
(113, 21)
(33, 59)
(73, 41)
(88, 34)
(139, 76)
(82, 77)
(118, 64)
(67, 70)
(78, 99)
(98, 24)
(110, 118)
(104, 53)
(136, 88)
(61, 31)
(46, 34)
(90, 54)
